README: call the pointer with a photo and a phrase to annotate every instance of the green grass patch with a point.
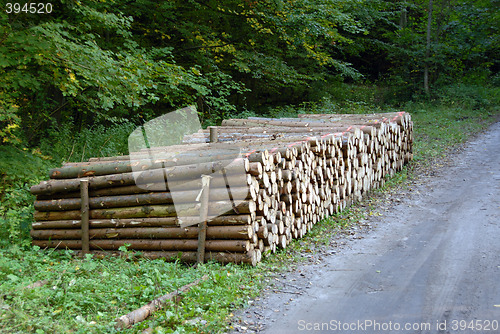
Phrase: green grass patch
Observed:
(87, 295)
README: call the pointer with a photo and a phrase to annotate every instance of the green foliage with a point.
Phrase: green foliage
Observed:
(464, 39)
(64, 144)
(9, 122)
(19, 170)
(470, 97)
(82, 64)
(94, 61)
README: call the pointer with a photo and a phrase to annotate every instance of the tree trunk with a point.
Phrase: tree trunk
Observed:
(218, 181)
(143, 222)
(159, 159)
(428, 50)
(106, 202)
(236, 232)
(147, 176)
(144, 312)
(151, 245)
(150, 211)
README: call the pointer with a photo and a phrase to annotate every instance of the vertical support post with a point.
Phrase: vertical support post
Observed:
(202, 226)
(85, 215)
(214, 134)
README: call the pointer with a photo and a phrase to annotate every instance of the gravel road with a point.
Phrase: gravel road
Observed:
(430, 265)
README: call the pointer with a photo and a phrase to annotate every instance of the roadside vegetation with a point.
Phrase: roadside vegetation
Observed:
(77, 80)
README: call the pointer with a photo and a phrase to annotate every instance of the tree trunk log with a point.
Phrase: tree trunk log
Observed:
(151, 245)
(144, 312)
(143, 222)
(153, 198)
(147, 176)
(152, 211)
(218, 181)
(239, 232)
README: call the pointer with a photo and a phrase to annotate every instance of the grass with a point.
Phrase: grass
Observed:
(86, 295)
(443, 127)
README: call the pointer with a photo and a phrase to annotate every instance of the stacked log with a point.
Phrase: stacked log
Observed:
(295, 173)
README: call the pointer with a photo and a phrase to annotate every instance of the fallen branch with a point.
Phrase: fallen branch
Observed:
(37, 284)
(144, 312)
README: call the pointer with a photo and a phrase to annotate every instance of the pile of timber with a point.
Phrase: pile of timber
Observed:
(296, 172)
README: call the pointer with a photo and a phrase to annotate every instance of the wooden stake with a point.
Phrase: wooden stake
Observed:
(85, 215)
(202, 231)
(214, 134)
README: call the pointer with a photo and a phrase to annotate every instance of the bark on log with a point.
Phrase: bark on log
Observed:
(143, 222)
(202, 227)
(271, 133)
(144, 244)
(152, 198)
(296, 122)
(236, 232)
(152, 211)
(218, 181)
(156, 160)
(147, 176)
(84, 215)
(144, 312)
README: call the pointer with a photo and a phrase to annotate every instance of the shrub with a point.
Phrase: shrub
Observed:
(19, 169)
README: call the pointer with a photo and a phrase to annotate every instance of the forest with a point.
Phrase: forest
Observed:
(99, 62)
(77, 77)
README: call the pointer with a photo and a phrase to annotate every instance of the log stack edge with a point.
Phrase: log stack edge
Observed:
(297, 172)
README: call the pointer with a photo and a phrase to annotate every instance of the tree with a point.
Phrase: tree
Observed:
(427, 48)
(444, 41)
(97, 61)
(61, 66)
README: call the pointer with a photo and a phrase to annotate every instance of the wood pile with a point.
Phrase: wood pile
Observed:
(296, 171)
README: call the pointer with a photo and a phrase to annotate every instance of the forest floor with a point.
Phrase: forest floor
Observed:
(426, 256)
